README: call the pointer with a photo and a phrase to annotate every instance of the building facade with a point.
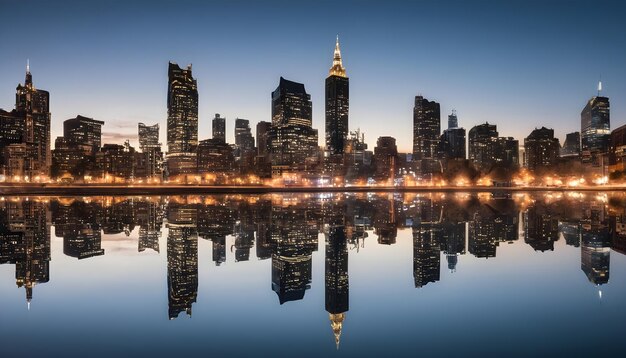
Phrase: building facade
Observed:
(182, 121)
(542, 149)
(337, 108)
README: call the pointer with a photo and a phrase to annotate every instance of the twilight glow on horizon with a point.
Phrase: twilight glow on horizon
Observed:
(516, 64)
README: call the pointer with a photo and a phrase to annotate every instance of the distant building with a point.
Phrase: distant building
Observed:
(571, 146)
(116, 162)
(357, 159)
(215, 156)
(83, 131)
(182, 121)
(149, 163)
(595, 130)
(617, 153)
(542, 149)
(263, 164)
(453, 121)
(385, 157)
(452, 144)
(27, 124)
(487, 150)
(426, 129)
(293, 140)
(219, 128)
(337, 108)
(245, 152)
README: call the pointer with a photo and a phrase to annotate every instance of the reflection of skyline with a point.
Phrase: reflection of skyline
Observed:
(285, 229)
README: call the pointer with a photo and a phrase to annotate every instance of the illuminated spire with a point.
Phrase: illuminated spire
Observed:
(27, 65)
(28, 82)
(599, 87)
(337, 69)
(336, 323)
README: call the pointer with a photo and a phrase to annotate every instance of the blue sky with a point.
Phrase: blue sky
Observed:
(518, 64)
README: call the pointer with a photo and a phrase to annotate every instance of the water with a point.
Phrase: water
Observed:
(345, 275)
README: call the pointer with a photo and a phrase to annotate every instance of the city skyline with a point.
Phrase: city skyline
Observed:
(504, 75)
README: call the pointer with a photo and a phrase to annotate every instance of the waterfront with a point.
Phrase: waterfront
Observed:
(341, 274)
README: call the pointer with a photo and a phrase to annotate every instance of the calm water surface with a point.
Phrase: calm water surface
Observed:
(341, 275)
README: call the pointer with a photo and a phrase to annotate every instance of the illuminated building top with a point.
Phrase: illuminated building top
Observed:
(337, 69)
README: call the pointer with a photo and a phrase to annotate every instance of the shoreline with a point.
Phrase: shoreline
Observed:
(80, 190)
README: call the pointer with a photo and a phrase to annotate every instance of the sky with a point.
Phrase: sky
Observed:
(517, 64)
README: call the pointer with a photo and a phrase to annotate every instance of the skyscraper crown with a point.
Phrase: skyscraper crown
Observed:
(337, 69)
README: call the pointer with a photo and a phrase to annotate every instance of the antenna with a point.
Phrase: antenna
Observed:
(28, 65)
(599, 86)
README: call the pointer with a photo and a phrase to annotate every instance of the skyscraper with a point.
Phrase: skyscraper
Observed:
(151, 156)
(571, 146)
(219, 128)
(336, 277)
(83, 131)
(595, 129)
(542, 149)
(385, 157)
(426, 129)
(148, 136)
(293, 140)
(453, 121)
(182, 120)
(33, 106)
(337, 106)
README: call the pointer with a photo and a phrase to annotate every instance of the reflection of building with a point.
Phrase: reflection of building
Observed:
(427, 236)
(541, 228)
(336, 278)
(182, 120)
(182, 258)
(294, 239)
(488, 228)
(337, 107)
(25, 242)
(150, 220)
(453, 244)
(78, 223)
(595, 251)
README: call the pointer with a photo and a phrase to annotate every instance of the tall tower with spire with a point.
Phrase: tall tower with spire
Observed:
(33, 106)
(595, 131)
(337, 107)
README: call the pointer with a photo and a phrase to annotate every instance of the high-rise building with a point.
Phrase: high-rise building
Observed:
(215, 156)
(263, 164)
(571, 146)
(337, 106)
(452, 143)
(453, 121)
(150, 160)
(595, 129)
(182, 120)
(385, 157)
(83, 131)
(148, 136)
(542, 149)
(293, 140)
(27, 129)
(426, 129)
(487, 150)
(219, 128)
(244, 141)
(617, 153)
